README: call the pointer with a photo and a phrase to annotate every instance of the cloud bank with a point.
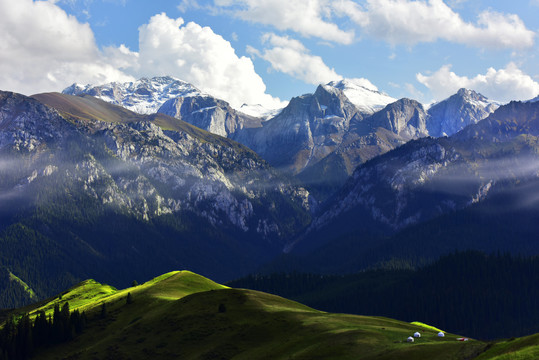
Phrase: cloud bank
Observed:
(197, 55)
(310, 18)
(502, 85)
(291, 57)
(395, 21)
(44, 49)
(411, 22)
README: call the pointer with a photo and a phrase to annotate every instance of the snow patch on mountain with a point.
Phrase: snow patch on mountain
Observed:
(363, 94)
(259, 111)
(144, 96)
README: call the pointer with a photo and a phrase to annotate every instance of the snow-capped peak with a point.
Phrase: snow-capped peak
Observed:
(468, 96)
(259, 111)
(144, 96)
(451, 115)
(363, 94)
(476, 98)
(75, 89)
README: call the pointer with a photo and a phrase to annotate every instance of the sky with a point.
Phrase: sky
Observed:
(268, 51)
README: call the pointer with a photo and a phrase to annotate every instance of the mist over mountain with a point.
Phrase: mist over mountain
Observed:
(321, 137)
(92, 188)
(86, 179)
(475, 189)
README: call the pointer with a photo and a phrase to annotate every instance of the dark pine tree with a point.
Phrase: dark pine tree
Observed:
(103, 311)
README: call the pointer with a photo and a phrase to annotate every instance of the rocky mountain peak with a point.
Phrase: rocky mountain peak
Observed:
(143, 96)
(405, 117)
(363, 94)
(305, 131)
(458, 111)
(471, 95)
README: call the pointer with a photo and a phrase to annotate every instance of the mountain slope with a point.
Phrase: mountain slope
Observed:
(175, 98)
(93, 189)
(430, 177)
(307, 130)
(210, 114)
(320, 137)
(193, 322)
(365, 139)
(382, 129)
(472, 284)
(13, 291)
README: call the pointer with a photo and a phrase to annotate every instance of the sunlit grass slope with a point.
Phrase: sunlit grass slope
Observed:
(525, 348)
(89, 294)
(182, 315)
(426, 327)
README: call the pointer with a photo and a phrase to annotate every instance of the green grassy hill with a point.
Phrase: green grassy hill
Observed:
(181, 315)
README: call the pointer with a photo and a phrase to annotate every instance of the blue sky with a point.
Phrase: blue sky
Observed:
(267, 51)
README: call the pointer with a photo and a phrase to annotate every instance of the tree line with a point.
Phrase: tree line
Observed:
(21, 337)
(468, 293)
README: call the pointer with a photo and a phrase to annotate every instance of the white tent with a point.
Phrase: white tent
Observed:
(410, 339)
(417, 334)
(441, 334)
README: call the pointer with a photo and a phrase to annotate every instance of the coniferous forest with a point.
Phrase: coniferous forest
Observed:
(22, 336)
(483, 296)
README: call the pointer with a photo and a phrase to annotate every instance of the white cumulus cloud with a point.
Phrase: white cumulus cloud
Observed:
(291, 57)
(414, 21)
(44, 49)
(306, 17)
(197, 55)
(504, 85)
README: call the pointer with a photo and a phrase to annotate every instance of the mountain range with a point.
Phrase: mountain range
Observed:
(340, 180)
(90, 187)
(321, 137)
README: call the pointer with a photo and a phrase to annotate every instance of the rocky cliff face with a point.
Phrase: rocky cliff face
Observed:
(429, 177)
(210, 114)
(215, 178)
(307, 130)
(405, 117)
(142, 188)
(367, 136)
(320, 137)
(173, 97)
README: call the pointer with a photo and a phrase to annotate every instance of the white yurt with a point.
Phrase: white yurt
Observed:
(441, 334)
(417, 334)
(410, 339)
